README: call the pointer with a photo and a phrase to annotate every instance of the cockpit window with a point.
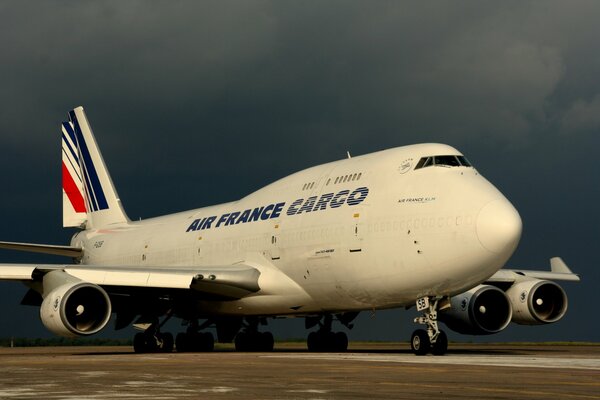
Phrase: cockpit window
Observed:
(445, 161)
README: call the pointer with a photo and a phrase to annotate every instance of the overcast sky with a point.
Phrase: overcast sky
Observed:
(196, 103)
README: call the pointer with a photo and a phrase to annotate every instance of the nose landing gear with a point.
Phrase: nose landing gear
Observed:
(433, 339)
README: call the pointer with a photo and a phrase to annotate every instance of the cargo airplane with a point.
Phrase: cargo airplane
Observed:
(408, 226)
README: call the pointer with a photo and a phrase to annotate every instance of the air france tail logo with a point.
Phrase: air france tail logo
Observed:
(299, 206)
(95, 194)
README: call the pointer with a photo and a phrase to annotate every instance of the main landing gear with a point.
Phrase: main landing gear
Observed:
(324, 339)
(152, 340)
(433, 339)
(250, 339)
(193, 340)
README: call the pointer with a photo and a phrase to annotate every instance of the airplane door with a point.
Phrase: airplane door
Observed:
(357, 228)
(274, 249)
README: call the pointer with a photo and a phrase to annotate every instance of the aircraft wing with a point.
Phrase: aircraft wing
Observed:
(232, 281)
(559, 271)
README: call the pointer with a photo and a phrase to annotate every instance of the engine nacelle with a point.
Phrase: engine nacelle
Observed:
(537, 302)
(74, 308)
(483, 310)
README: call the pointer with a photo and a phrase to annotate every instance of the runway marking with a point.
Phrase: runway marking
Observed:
(483, 360)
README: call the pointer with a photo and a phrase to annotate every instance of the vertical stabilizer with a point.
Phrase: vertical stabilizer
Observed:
(101, 201)
(74, 211)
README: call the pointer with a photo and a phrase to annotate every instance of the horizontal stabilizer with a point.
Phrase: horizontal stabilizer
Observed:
(67, 251)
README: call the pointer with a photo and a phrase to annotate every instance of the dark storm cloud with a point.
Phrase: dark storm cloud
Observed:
(195, 103)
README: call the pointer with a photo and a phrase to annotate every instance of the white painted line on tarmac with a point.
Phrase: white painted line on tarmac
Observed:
(483, 360)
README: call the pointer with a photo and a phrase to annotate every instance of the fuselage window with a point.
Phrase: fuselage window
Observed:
(450, 161)
(354, 177)
(359, 175)
(446, 161)
(336, 180)
(463, 161)
(304, 187)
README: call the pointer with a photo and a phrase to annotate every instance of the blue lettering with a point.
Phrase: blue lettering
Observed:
(323, 200)
(209, 221)
(308, 205)
(222, 220)
(193, 226)
(243, 217)
(336, 202)
(357, 196)
(277, 210)
(232, 218)
(292, 210)
(255, 214)
(266, 212)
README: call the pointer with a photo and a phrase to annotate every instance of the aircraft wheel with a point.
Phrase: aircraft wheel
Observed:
(312, 342)
(242, 342)
(267, 342)
(182, 342)
(167, 342)
(340, 342)
(419, 342)
(206, 342)
(440, 347)
(139, 343)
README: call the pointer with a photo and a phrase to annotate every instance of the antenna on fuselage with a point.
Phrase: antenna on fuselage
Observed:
(348, 153)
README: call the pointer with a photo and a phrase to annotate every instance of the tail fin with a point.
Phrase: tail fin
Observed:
(89, 196)
(74, 211)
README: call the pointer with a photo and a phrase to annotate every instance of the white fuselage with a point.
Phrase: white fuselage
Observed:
(411, 233)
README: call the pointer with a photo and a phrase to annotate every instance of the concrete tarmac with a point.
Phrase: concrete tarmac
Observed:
(366, 371)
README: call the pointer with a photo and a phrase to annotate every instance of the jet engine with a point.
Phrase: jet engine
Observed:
(74, 308)
(483, 310)
(536, 302)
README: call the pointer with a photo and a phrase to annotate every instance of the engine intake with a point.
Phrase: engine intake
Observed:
(483, 310)
(75, 308)
(537, 302)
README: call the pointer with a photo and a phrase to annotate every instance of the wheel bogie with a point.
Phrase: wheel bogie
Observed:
(194, 342)
(322, 341)
(254, 341)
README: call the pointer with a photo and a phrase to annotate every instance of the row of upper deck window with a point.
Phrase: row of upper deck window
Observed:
(339, 179)
(346, 178)
(445, 161)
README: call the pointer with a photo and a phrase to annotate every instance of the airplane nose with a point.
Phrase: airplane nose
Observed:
(499, 226)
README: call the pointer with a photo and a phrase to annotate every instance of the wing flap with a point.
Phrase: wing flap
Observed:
(16, 272)
(233, 281)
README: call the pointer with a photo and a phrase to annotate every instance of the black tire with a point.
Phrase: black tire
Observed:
(241, 342)
(206, 341)
(139, 343)
(167, 342)
(267, 342)
(182, 342)
(419, 342)
(440, 346)
(340, 342)
(313, 342)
